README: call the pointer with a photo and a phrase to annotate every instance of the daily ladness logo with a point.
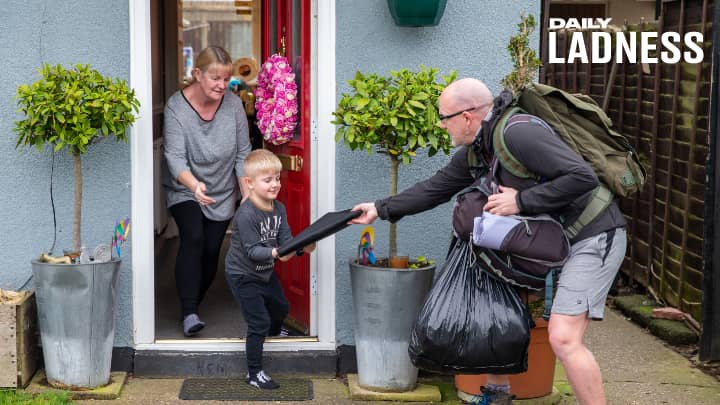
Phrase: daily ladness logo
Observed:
(632, 47)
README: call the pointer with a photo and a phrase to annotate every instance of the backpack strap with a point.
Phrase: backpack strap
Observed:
(472, 158)
(479, 185)
(601, 196)
(549, 283)
(478, 168)
(599, 200)
(507, 160)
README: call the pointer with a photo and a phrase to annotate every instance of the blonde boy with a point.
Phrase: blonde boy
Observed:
(259, 227)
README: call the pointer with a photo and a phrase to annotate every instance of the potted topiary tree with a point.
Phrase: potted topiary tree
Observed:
(71, 109)
(394, 115)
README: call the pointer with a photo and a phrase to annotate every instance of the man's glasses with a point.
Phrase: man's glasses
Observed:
(444, 118)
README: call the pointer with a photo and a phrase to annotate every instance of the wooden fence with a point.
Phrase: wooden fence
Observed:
(664, 110)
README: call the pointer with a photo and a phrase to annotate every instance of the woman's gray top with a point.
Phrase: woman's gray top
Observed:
(213, 151)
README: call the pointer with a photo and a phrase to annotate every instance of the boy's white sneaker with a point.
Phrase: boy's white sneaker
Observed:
(261, 380)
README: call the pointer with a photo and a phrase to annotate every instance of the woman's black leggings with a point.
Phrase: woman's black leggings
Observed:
(197, 259)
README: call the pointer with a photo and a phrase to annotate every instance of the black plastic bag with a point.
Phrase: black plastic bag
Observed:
(471, 322)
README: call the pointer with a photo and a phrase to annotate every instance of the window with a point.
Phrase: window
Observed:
(231, 24)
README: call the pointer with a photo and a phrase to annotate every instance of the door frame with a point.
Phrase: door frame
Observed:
(291, 21)
(322, 199)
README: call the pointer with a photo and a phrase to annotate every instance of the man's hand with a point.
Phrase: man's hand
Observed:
(309, 248)
(503, 203)
(369, 213)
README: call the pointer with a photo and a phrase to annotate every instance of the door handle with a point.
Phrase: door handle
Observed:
(292, 163)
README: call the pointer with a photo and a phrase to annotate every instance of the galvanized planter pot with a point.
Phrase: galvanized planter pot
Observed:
(387, 302)
(76, 313)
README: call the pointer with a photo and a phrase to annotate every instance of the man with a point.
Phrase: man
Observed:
(468, 113)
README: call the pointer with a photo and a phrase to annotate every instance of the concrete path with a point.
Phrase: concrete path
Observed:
(637, 369)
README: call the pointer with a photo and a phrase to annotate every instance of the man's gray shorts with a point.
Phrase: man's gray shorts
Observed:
(588, 274)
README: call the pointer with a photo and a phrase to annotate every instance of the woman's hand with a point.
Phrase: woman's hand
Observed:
(200, 196)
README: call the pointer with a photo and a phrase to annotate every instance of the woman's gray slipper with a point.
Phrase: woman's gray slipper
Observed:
(192, 325)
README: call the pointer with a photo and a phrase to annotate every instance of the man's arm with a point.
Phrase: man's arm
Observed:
(567, 175)
(430, 193)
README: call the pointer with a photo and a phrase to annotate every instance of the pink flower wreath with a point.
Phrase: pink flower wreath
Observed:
(276, 100)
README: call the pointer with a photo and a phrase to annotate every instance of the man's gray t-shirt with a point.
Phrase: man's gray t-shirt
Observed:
(254, 235)
(213, 151)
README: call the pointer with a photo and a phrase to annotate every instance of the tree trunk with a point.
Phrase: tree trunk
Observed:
(77, 208)
(394, 165)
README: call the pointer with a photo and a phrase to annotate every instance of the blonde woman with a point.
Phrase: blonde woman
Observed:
(206, 142)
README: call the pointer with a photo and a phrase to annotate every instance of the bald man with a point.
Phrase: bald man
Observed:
(469, 114)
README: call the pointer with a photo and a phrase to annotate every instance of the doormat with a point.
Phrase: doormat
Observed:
(236, 389)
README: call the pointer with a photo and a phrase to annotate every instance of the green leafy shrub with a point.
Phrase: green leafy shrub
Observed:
(70, 109)
(421, 261)
(395, 115)
(524, 58)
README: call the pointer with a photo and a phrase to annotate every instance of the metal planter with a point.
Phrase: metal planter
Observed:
(76, 313)
(386, 303)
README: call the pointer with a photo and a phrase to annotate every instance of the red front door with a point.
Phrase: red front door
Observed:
(288, 21)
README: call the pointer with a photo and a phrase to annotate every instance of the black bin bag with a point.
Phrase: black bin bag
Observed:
(471, 322)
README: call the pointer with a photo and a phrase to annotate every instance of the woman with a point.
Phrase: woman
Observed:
(206, 142)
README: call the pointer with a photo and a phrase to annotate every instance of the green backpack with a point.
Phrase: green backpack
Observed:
(585, 127)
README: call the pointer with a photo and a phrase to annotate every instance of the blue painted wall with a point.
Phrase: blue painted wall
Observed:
(471, 38)
(67, 32)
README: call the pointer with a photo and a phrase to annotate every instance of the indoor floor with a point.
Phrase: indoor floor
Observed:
(221, 314)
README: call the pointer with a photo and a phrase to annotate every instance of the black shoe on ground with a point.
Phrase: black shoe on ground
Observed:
(261, 380)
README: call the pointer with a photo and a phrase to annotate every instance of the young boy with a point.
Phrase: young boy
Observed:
(259, 227)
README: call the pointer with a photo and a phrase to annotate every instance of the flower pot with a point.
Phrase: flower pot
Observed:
(398, 262)
(417, 13)
(536, 382)
(76, 313)
(386, 303)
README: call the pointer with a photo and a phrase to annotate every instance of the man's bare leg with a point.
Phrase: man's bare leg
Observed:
(583, 372)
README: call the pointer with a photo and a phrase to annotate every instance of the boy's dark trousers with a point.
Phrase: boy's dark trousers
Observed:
(264, 306)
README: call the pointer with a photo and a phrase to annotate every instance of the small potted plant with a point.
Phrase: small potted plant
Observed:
(393, 115)
(71, 109)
